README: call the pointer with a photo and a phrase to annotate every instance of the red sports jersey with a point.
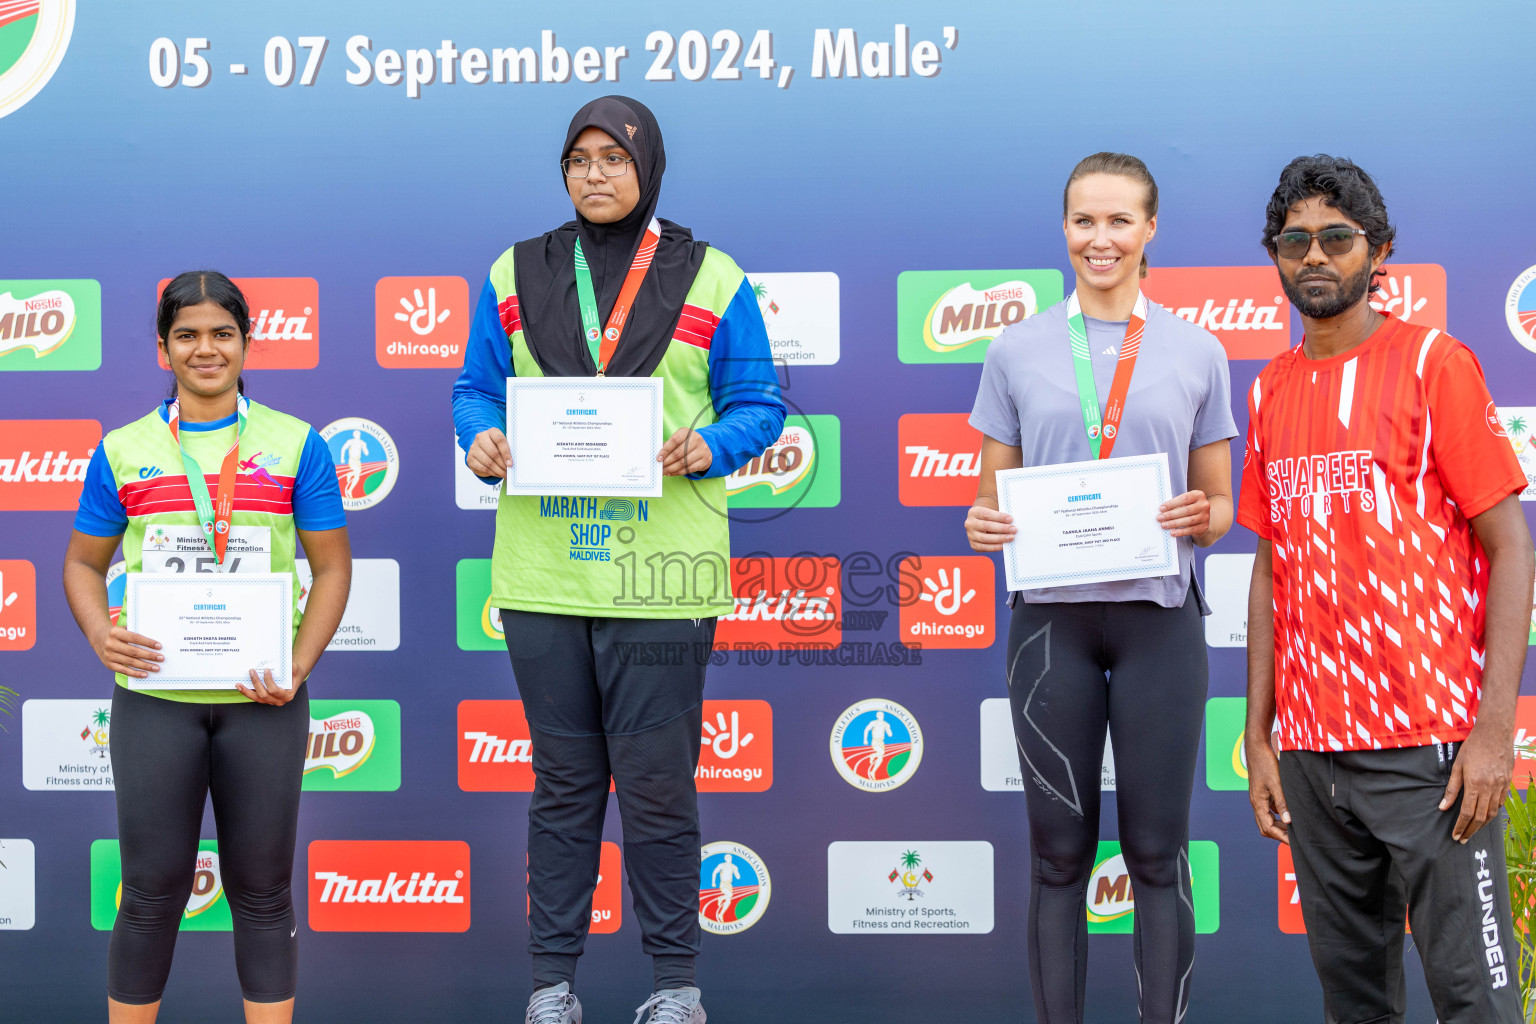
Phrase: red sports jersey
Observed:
(1363, 470)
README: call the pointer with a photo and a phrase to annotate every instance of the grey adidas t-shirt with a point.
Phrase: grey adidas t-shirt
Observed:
(1180, 399)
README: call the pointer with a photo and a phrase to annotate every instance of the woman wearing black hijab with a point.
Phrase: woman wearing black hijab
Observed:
(577, 604)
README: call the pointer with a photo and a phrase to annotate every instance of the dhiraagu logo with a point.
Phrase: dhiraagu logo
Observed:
(1112, 901)
(479, 624)
(207, 909)
(803, 468)
(49, 325)
(353, 745)
(1226, 765)
(950, 316)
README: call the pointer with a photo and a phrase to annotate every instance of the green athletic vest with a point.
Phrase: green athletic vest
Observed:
(147, 468)
(641, 558)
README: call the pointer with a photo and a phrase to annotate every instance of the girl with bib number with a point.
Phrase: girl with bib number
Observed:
(1108, 374)
(208, 482)
(583, 583)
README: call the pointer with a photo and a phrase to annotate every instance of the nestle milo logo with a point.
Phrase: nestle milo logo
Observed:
(801, 469)
(951, 316)
(353, 745)
(50, 325)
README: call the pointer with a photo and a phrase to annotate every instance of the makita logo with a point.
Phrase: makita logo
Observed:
(1243, 306)
(393, 889)
(933, 462)
(495, 747)
(285, 322)
(43, 463)
(489, 749)
(1214, 316)
(783, 601)
(940, 459)
(272, 325)
(46, 467)
(361, 886)
(786, 606)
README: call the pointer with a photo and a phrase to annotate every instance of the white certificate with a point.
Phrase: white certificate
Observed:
(586, 436)
(213, 628)
(1087, 522)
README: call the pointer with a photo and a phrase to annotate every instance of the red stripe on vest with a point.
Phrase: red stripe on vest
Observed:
(511, 319)
(171, 494)
(696, 327)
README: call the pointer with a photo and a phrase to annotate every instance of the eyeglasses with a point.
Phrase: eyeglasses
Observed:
(1293, 245)
(613, 165)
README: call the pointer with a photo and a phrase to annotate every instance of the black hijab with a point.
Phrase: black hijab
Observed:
(546, 272)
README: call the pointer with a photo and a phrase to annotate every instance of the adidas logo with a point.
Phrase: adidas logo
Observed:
(631, 129)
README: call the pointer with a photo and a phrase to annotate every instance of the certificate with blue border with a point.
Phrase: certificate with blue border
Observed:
(213, 628)
(1087, 522)
(584, 436)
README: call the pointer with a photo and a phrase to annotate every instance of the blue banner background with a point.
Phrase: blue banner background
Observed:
(110, 178)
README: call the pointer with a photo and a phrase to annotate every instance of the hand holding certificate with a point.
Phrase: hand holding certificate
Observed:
(214, 629)
(1087, 522)
(584, 436)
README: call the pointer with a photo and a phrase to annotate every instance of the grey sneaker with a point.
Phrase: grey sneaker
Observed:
(672, 1006)
(553, 1005)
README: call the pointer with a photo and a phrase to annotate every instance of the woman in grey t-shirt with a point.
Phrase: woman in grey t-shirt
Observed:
(1126, 655)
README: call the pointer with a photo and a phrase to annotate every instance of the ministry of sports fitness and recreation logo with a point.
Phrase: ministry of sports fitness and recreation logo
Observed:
(207, 910)
(734, 888)
(50, 325)
(366, 461)
(876, 745)
(802, 314)
(951, 316)
(66, 745)
(34, 34)
(1520, 308)
(18, 885)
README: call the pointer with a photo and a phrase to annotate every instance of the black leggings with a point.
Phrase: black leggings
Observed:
(167, 756)
(621, 698)
(1152, 702)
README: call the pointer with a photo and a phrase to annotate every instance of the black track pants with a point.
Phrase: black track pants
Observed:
(1152, 703)
(621, 698)
(1370, 843)
(167, 757)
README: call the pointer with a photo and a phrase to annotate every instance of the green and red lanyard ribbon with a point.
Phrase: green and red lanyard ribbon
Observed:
(1102, 431)
(602, 343)
(214, 517)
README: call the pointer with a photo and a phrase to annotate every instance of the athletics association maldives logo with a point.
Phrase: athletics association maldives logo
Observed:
(366, 461)
(734, 888)
(1520, 308)
(876, 745)
(33, 37)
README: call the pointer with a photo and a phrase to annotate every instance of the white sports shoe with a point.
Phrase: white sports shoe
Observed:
(672, 1006)
(553, 1005)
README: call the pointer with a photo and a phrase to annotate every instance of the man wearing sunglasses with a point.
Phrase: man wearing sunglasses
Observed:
(1388, 619)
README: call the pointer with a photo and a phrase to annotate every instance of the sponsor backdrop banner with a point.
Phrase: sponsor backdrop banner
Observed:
(890, 181)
